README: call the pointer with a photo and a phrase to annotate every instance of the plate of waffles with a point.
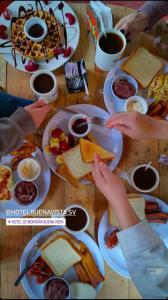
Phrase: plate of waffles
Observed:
(29, 54)
(67, 155)
(21, 194)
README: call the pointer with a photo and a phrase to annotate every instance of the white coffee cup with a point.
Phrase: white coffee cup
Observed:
(104, 60)
(129, 176)
(51, 95)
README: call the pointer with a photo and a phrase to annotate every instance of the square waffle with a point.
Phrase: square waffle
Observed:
(43, 50)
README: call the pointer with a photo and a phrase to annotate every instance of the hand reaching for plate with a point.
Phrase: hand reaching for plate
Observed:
(132, 24)
(114, 190)
(38, 111)
(139, 126)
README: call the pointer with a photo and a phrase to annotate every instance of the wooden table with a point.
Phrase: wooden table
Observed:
(14, 239)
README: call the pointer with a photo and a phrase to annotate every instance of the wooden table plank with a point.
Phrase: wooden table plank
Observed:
(61, 194)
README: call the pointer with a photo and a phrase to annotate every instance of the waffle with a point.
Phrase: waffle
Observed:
(37, 51)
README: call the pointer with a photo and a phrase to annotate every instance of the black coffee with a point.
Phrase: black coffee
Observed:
(43, 83)
(144, 179)
(36, 30)
(112, 43)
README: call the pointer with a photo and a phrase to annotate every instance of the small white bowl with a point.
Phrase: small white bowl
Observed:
(56, 277)
(32, 21)
(140, 100)
(70, 207)
(85, 119)
(35, 163)
(130, 79)
(16, 200)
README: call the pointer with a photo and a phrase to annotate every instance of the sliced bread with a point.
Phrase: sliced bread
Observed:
(88, 150)
(142, 65)
(74, 162)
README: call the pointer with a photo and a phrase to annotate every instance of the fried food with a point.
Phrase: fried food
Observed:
(5, 183)
(17, 159)
(112, 240)
(26, 148)
(158, 110)
(158, 88)
(83, 277)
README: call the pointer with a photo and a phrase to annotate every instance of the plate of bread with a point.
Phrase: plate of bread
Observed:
(80, 263)
(35, 179)
(71, 158)
(146, 207)
(151, 75)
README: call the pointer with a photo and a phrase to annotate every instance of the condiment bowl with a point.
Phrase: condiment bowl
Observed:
(55, 277)
(16, 199)
(128, 78)
(85, 119)
(34, 163)
(139, 100)
(32, 21)
(70, 208)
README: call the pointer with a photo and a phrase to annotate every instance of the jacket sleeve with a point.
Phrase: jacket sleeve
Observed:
(14, 129)
(155, 10)
(147, 260)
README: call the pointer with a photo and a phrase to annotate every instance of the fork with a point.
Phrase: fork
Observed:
(35, 249)
(94, 119)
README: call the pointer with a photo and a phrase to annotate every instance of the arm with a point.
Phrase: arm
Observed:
(139, 126)
(14, 129)
(145, 254)
(154, 10)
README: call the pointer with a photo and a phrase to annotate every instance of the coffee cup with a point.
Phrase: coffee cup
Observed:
(109, 48)
(143, 178)
(44, 85)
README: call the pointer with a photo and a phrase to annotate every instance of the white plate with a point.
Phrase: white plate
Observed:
(73, 34)
(43, 184)
(35, 291)
(114, 257)
(114, 105)
(109, 139)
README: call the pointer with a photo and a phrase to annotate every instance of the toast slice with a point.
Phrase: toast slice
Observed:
(64, 172)
(88, 150)
(142, 65)
(60, 254)
(74, 162)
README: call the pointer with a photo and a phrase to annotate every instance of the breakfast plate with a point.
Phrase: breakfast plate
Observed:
(11, 208)
(72, 32)
(35, 291)
(111, 140)
(114, 257)
(114, 105)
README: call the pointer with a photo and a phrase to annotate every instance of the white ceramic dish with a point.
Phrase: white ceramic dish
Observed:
(87, 223)
(10, 209)
(73, 34)
(85, 119)
(32, 161)
(109, 139)
(34, 21)
(112, 105)
(15, 198)
(35, 291)
(128, 78)
(114, 257)
(54, 277)
(139, 100)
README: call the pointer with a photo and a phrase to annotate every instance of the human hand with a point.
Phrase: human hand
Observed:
(138, 126)
(133, 24)
(108, 183)
(38, 111)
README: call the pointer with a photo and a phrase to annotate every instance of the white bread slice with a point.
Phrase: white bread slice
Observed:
(88, 149)
(79, 290)
(142, 65)
(138, 205)
(60, 255)
(74, 162)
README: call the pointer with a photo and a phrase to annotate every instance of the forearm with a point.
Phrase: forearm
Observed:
(124, 213)
(14, 129)
(155, 10)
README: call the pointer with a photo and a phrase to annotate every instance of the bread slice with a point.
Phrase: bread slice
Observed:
(138, 205)
(142, 65)
(60, 254)
(74, 162)
(88, 150)
(64, 172)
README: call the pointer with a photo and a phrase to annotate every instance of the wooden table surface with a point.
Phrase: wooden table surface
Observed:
(14, 239)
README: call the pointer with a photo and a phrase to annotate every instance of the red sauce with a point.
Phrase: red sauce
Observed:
(25, 192)
(123, 89)
(81, 129)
